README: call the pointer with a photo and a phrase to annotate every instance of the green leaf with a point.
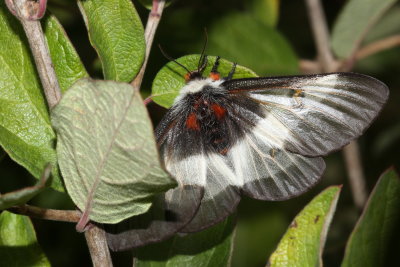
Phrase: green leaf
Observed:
(303, 243)
(266, 11)
(107, 152)
(116, 32)
(242, 39)
(388, 25)
(370, 239)
(170, 79)
(66, 61)
(25, 130)
(211, 247)
(18, 244)
(353, 23)
(25, 194)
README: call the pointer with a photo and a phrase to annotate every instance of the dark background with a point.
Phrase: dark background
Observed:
(261, 224)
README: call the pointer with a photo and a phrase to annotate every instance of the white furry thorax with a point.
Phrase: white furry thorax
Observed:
(195, 86)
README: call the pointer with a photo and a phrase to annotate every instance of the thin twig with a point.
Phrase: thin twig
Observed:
(151, 27)
(355, 171)
(97, 243)
(47, 214)
(378, 46)
(329, 64)
(28, 12)
(321, 35)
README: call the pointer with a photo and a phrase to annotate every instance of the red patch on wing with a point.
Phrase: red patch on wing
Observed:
(215, 76)
(218, 111)
(191, 122)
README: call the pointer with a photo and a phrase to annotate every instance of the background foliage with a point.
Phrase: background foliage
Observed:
(272, 45)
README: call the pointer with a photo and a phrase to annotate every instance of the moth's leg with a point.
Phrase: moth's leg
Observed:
(230, 75)
(214, 74)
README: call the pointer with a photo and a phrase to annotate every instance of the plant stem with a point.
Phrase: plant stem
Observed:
(98, 248)
(355, 171)
(151, 27)
(329, 64)
(47, 214)
(378, 46)
(321, 35)
(25, 11)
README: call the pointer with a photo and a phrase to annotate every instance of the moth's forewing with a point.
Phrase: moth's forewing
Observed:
(315, 114)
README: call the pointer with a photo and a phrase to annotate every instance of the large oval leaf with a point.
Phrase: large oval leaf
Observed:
(25, 130)
(371, 238)
(303, 243)
(211, 247)
(106, 150)
(116, 32)
(354, 21)
(242, 39)
(170, 79)
(18, 244)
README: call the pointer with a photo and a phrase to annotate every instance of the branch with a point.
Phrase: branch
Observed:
(28, 12)
(47, 214)
(378, 46)
(321, 35)
(151, 27)
(355, 171)
(98, 248)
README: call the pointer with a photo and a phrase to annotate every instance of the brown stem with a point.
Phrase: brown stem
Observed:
(378, 46)
(355, 171)
(151, 27)
(47, 214)
(321, 35)
(98, 248)
(27, 13)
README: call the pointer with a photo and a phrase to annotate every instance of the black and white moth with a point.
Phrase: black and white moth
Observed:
(261, 137)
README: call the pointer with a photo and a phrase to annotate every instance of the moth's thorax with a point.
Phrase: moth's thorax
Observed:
(198, 85)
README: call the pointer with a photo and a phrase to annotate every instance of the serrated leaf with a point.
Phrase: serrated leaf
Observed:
(107, 152)
(211, 247)
(116, 32)
(170, 79)
(242, 39)
(370, 239)
(353, 23)
(25, 130)
(25, 194)
(303, 243)
(18, 243)
(149, 3)
(266, 11)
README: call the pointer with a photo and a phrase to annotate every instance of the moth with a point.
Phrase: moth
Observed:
(260, 137)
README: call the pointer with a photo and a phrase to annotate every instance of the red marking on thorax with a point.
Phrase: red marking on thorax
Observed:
(215, 76)
(218, 111)
(191, 122)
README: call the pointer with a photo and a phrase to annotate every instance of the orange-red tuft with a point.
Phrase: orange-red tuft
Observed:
(191, 122)
(215, 76)
(218, 111)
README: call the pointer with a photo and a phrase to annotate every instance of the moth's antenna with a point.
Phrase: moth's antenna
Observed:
(202, 55)
(172, 59)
